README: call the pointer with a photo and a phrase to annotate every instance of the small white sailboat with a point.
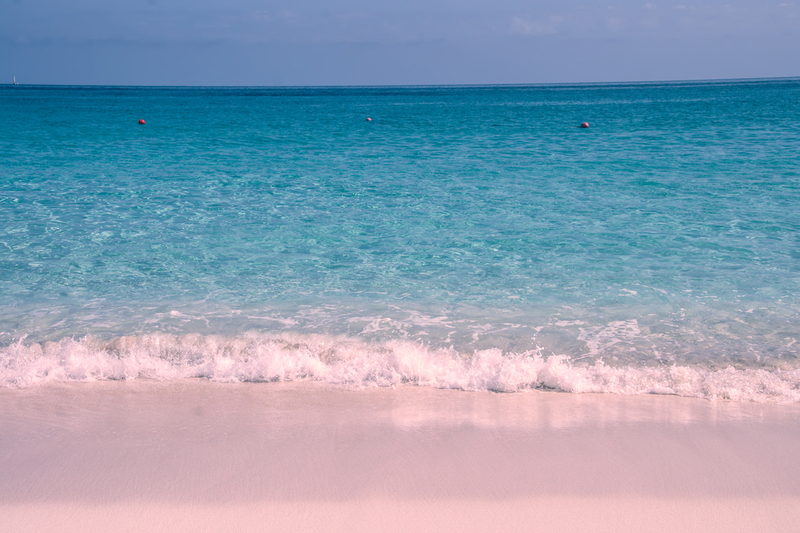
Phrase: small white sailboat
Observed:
(15, 81)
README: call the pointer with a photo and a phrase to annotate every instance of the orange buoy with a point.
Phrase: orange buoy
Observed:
(141, 121)
(369, 119)
(585, 125)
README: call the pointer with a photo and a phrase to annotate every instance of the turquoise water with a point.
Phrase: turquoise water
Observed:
(468, 237)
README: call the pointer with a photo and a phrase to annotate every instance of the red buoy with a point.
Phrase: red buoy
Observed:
(585, 125)
(369, 119)
(141, 121)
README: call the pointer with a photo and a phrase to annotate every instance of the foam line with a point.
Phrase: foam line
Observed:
(349, 362)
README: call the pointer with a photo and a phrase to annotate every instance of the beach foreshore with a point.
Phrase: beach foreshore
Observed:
(199, 456)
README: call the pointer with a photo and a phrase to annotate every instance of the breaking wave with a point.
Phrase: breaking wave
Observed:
(348, 362)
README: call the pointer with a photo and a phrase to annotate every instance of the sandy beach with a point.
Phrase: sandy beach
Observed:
(200, 456)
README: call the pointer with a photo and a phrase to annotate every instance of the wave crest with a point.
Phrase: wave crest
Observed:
(261, 358)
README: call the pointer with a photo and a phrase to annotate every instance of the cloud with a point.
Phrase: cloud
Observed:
(536, 27)
(615, 23)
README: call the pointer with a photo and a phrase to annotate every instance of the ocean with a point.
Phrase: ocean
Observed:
(469, 238)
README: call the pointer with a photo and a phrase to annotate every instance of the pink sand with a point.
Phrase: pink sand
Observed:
(199, 456)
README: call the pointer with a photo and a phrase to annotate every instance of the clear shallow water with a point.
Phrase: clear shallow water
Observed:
(469, 237)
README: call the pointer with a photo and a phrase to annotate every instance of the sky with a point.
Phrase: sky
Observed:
(380, 42)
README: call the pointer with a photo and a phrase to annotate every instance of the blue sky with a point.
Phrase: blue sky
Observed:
(376, 42)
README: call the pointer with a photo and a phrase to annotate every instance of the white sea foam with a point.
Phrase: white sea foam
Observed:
(258, 357)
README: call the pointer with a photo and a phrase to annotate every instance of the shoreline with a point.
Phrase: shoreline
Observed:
(203, 456)
(351, 362)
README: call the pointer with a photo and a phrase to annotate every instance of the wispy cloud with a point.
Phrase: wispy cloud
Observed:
(523, 26)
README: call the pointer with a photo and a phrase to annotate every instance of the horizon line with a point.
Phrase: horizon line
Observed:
(409, 86)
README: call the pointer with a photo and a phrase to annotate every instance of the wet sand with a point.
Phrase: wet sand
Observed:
(199, 456)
